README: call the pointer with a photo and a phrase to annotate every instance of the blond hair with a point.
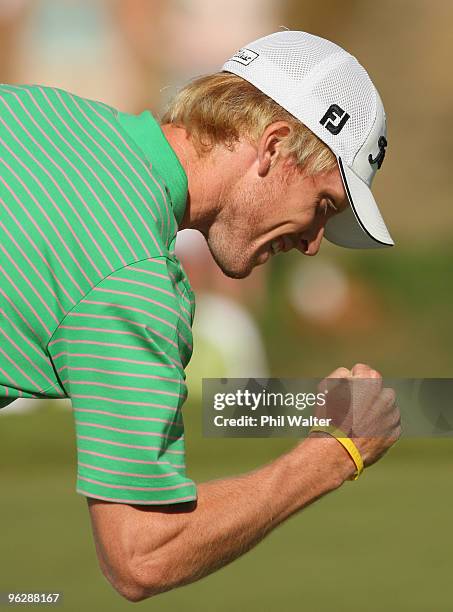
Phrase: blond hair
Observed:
(222, 108)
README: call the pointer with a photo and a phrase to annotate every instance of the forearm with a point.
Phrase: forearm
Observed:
(148, 549)
(234, 514)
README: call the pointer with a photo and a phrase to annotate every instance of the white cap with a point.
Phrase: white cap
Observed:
(327, 89)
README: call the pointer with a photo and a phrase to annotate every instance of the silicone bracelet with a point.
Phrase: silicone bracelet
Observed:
(347, 443)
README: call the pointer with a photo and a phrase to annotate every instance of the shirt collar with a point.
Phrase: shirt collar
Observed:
(147, 133)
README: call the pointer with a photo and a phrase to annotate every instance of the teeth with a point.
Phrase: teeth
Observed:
(275, 246)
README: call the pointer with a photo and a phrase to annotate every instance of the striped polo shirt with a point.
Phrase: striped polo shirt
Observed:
(94, 305)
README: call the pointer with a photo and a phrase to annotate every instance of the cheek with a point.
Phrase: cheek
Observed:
(244, 217)
(307, 218)
(258, 208)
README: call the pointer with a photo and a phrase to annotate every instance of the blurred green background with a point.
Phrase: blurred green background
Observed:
(383, 543)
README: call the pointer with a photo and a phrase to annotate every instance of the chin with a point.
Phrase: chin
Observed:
(233, 269)
(226, 255)
(234, 272)
(237, 275)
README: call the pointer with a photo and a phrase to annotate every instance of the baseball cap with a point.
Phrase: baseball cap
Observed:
(327, 89)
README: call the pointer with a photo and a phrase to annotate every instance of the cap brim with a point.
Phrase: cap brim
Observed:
(361, 225)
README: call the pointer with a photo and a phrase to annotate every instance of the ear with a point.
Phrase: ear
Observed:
(270, 145)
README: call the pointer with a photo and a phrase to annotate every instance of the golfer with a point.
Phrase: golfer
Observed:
(274, 152)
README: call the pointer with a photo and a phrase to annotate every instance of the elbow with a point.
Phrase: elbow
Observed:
(131, 592)
(139, 582)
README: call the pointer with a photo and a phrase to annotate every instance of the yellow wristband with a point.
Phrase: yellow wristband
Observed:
(347, 443)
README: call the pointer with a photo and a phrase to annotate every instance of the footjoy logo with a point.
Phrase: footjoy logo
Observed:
(382, 144)
(335, 119)
(245, 56)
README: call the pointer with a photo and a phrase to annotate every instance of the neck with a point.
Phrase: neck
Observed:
(204, 190)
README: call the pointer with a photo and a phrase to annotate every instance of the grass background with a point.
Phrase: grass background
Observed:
(383, 543)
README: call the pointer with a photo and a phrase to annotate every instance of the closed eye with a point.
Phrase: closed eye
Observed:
(327, 205)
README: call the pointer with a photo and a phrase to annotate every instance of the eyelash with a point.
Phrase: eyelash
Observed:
(329, 204)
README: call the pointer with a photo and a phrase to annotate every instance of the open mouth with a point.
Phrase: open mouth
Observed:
(278, 245)
(283, 244)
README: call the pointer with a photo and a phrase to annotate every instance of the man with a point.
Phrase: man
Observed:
(270, 154)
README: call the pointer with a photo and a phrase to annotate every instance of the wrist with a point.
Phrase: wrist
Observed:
(332, 457)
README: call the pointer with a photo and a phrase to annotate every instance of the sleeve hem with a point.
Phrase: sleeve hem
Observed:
(141, 502)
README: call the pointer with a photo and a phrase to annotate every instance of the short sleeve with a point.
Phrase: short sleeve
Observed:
(119, 355)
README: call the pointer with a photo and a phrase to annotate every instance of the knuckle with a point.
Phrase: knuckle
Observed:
(366, 371)
(361, 367)
(341, 371)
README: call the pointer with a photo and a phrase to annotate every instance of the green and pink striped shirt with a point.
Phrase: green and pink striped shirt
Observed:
(94, 305)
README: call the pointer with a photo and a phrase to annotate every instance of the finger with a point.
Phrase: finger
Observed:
(331, 380)
(388, 395)
(363, 370)
(340, 373)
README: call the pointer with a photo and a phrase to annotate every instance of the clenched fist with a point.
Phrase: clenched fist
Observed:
(360, 407)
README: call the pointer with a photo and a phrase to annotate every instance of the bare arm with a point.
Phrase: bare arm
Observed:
(147, 550)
